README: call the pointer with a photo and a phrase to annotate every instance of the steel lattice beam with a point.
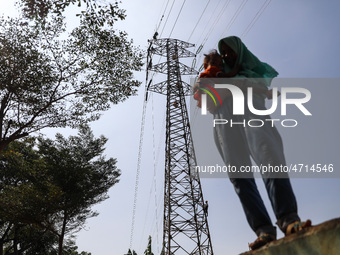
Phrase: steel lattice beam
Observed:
(185, 225)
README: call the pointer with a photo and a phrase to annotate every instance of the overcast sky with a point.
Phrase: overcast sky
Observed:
(299, 38)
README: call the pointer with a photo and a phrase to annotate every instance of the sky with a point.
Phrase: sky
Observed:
(299, 38)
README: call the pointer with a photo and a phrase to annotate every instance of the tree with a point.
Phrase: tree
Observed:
(29, 240)
(54, 190)
(131, 253)
(50, 78)
(148, 250)
(23, 201)
(100, 13)
(71, 249)
(78, 167)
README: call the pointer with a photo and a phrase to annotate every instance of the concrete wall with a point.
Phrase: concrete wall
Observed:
(323, 239)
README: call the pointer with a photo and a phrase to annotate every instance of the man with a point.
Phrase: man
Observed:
(237, 143)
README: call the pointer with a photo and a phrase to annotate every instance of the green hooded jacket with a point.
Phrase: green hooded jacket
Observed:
(251, 66)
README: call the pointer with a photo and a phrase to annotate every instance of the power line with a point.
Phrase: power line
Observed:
(205, 8)
(137, 174)
(166, 21)
(140, 149)
(216, 20)
(236, 14)
(218, 17)
(231, 22)
(153, 187)
(154, 168)
(180, 11)
(159, 24)
(255, 19)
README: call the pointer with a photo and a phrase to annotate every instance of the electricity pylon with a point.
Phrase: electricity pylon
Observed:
(185, 225)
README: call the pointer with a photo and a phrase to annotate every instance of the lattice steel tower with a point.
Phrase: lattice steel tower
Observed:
(185, 225)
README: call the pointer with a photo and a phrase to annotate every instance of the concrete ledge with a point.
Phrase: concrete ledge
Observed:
(322, 239)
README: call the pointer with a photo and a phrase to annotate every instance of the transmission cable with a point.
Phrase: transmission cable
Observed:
(166, 21)
(231, 22)
(140, 149)
(255, 19)
(218, 17)
(205, 8)
(226, 4)
(236, 14)
(154, 166)
(160, 21)
(180, 11)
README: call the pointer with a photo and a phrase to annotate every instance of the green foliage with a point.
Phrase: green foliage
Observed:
(71, 249)
(50, 78)
(53, 78)
(100, 13)
(76, 165)
(48, 187)
(32, 240)
(131, 253)
(148, 250)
